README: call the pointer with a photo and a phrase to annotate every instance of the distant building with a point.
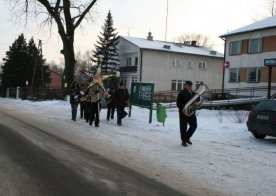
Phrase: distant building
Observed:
(56, 81)
(246, 49)
(168, 64)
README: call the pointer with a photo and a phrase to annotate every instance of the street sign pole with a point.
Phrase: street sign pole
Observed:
(269, 82)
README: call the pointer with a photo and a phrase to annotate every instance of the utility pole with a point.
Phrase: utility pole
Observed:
(167, 20)
(39, 53)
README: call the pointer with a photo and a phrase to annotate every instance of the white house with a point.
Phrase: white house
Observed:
(167, 64)
(246, 49)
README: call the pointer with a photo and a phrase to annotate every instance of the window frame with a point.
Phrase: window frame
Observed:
(237, 79)
(237, 50)
(257, 75)
(190, 64)
(259, 46)
(202, 65)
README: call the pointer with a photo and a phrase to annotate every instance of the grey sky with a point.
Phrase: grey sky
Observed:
(138, 17)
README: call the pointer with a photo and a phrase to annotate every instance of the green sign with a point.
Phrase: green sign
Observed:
(142, 95)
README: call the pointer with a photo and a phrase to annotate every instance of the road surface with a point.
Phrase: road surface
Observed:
(36, 162)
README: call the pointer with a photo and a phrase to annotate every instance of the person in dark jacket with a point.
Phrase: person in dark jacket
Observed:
(183, 97)
(110, 100)
(74, 99)
(82, 102)
(121, 98)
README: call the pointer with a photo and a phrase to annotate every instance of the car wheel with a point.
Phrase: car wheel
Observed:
(258, 135)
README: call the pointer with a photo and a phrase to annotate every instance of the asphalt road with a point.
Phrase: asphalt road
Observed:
(35, 162)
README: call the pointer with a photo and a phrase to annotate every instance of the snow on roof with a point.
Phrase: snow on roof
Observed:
(263, 24)
(172, 47)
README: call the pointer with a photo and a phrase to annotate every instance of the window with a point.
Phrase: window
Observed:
(254, 74)
(190, 64)
(173, 86)
(234, 75)
(136, 61)
(235, 48)
(202, 65)
(255, 45)
(134, 78)
(177, 85)
(176, 62)
(128, 61)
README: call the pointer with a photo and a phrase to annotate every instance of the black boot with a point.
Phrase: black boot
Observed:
(189, 141)
(184, 144)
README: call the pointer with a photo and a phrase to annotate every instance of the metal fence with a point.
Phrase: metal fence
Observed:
(34, 93)
(253, 92)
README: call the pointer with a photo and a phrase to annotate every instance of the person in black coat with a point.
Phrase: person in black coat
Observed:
(74, 99)
(110, 100)
(183, 97)
(121, 98)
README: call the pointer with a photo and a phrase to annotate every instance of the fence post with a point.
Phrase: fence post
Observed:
(8, 93)
(17, 92)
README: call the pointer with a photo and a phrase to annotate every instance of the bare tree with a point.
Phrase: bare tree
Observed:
(202, 40)
(271, 6)
(67, 15)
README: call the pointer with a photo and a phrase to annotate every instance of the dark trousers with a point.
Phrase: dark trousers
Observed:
(82, 109)
(184, 122)
(121, 113)
(74, 109)
(86, 111)
(94, 113)
(110, 111)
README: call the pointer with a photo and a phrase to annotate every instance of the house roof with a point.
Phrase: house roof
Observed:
(260, 25)
(172, 47)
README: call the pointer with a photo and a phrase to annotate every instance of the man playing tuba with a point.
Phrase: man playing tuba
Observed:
(183, 97)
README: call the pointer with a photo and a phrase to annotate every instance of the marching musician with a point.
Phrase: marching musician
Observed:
(183, 97)
(96, 93)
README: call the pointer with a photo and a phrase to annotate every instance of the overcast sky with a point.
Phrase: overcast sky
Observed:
(136, 18)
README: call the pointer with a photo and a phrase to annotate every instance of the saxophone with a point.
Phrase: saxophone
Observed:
(193, 104)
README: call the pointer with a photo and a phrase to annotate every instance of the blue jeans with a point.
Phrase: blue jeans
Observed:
(74, 107)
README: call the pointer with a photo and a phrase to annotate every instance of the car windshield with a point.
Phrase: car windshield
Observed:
(269, 105)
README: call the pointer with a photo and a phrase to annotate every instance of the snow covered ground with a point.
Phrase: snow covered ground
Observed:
(224, 157)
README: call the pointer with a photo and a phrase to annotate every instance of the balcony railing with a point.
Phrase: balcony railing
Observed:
(128, 69)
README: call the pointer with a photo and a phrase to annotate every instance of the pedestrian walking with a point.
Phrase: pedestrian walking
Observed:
(183, 97)
(121, 99)
(110, 101)
(96, 93)
(74, 99)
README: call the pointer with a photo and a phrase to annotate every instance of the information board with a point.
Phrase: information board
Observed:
(142, 95)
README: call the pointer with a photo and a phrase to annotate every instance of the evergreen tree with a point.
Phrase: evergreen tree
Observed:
(19, 64)
(106, 52)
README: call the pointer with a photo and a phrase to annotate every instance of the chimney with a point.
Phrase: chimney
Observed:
(150, 36)
(193, 43)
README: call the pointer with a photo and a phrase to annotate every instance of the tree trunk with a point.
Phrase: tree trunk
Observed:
(69, 59)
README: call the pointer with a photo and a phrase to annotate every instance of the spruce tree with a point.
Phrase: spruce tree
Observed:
(19, 64)
(106, 52)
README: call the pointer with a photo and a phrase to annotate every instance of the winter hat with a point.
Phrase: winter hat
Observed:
(188, 82)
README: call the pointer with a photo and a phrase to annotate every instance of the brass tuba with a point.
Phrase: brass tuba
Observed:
(193, 104)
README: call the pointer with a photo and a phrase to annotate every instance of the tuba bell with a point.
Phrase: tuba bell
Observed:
(193, 104)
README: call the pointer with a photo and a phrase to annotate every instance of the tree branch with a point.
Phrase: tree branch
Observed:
(84, 13)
